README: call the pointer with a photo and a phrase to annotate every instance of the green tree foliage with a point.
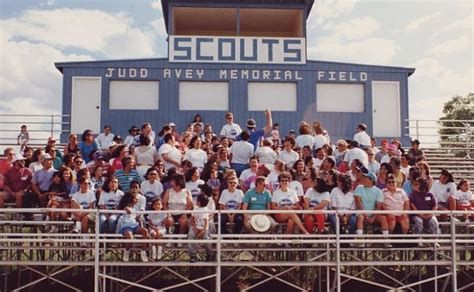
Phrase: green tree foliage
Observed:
(462, 109)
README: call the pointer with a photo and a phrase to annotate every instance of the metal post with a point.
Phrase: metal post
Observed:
(338, 256)
(52, 125)
(454, 281)
(417, 130)
(218, 253)
(96, 256)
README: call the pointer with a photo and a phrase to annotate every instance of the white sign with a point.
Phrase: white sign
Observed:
(249, 50)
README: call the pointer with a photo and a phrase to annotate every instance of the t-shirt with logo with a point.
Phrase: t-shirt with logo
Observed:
(442, 192)
(151, 191)
(110, 200)
(463, 198)
(231, 200)
(84, 199)
(192, 187)
(315, 198)
(285, 198)
(231, 131)
(200, 218)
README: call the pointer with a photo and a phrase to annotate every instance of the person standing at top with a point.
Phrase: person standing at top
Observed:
(230, 130)
(133, 132)
(105, 139)
(256, 135)
(147, 131)
(362, 137)
(23, 137)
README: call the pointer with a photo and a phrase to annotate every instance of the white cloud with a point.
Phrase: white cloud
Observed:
(460, 24)
(156, 5)
(326, 10)
(48, 3)
(111, 35)
(451, 46)
(158, 26)
(370, 50)
(418, 22)
(355, 28)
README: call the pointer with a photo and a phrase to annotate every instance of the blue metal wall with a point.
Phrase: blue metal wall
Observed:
(339, 125)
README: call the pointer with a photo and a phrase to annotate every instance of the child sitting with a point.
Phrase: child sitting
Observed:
(200, 229)
(128, 224)
(57, 197)
(464, 198)
(157, 224)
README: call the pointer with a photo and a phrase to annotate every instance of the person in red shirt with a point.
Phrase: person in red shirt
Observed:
(5, 164)
(17, 182)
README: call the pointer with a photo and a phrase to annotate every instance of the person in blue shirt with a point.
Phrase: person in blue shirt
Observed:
(255, 134)
(257, 198)
(87, 145)
(368, 197)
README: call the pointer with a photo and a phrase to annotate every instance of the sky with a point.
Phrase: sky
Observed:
(435, 37)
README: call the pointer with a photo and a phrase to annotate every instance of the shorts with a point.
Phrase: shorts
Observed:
(133, 229)
(443, 204)
(464, 208)
(396, 218)
(91, 216)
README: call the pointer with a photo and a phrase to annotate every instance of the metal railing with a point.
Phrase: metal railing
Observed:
(40, 127)
(450, 251)
(427, 131)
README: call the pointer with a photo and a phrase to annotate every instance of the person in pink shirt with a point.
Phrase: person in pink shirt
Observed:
(395, 199)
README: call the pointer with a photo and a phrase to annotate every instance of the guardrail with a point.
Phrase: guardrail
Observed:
(333, 255)
(428, 132)
(40, 127)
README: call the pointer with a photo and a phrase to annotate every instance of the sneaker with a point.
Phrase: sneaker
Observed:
(75, 230)
(126, 255)
(153, 252)
(159, 256)
(387, 245)
(143, 256)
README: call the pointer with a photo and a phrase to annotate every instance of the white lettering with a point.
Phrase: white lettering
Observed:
(167, 73)
(342, 76)
(363, 76)
(143, 73)
(288, 75)
(200, 73)
(266, 74)
(189, 74)
(332, 75)
(297, 75)
(132, 72)
(277, 75)
(321, 75)
(121, 72)
(352, 78)
(255, 74)
(177, 72)
(233, 74)
(110, 71)
(223, 74)
(244, 74)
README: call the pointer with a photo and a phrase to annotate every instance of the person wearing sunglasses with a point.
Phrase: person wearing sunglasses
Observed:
(395, 199)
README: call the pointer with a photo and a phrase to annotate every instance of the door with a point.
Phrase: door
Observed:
(386, 108)
(85, 104)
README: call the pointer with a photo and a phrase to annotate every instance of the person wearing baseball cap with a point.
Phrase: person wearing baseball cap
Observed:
(17, 181)
(255, 134)
(368, 198)
(133, 132)
(41, 181)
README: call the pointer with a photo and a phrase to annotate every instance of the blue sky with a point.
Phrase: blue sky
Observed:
(435, 37)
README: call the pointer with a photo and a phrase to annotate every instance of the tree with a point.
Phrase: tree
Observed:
(460, 131)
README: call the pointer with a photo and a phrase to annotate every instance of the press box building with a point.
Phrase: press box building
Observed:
(240, 56)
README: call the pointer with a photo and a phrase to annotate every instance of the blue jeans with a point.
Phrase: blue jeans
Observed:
(238, 221)
(239, 167)
(351, 222)
(107, 225)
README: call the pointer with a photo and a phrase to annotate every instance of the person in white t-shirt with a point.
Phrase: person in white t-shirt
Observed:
(230, 130)
(248, 176)
(266, 154)
(169, 153)
(105, 139)
(151, 188)
(443, 190)
(109, 200)
(83, 199)
(362, 137)
(288, 155)
(285, 198)
(342, 199)
(195, 154)
(464, 198)
(231, 199)
(316, 198)
(241, 152)
(199, 229)
(192, 178)
(305, 138)
(354, 152)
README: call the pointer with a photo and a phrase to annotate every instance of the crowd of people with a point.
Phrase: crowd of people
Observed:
(235, 169)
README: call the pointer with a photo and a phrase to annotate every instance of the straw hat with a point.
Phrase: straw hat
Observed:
(260, 223)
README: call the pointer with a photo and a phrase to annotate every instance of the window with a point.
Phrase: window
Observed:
(281, 94)
(335, 97)
(204, 96)
(134, 95)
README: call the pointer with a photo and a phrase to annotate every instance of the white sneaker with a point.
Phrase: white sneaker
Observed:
(126, 255)
(75, 230)
(143, 256)
(160, 253)
(153, 252)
